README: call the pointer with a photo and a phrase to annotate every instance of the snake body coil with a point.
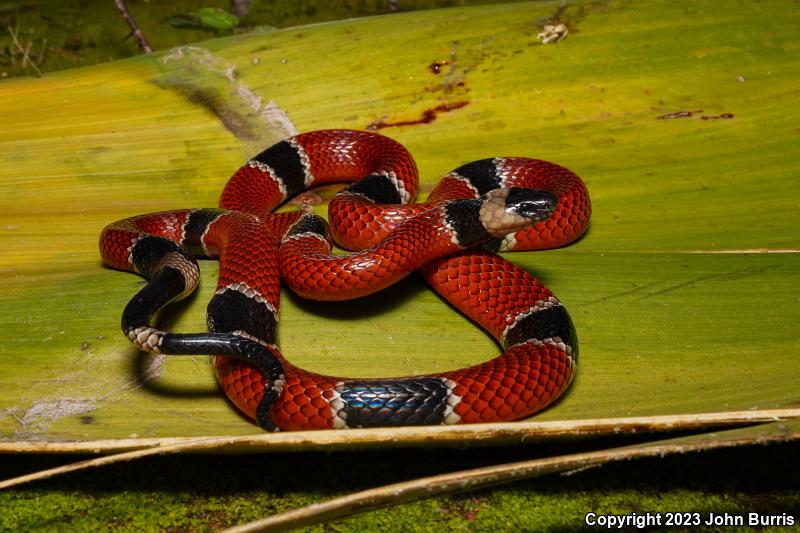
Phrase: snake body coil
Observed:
(500, 204)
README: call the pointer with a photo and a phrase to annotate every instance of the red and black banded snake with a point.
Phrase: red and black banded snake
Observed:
(499, 204)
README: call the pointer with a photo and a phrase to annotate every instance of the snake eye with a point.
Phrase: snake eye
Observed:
(532, 204)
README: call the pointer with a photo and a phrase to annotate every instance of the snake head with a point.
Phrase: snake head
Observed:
(509, 210)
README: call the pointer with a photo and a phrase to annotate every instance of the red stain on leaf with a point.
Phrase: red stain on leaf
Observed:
(715, 117)
(428, 116)
(689, 114)
(679, 114)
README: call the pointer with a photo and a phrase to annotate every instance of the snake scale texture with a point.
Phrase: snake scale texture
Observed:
(487, 206)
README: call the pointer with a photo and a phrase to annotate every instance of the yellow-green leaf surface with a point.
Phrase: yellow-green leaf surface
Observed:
(681, 118)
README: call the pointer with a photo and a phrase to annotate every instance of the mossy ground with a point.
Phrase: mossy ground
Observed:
(202, 493)
(74, 33)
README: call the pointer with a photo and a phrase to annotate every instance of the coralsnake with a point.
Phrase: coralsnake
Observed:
(487, 206)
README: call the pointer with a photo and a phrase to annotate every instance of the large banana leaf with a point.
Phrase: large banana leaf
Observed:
(681, 118)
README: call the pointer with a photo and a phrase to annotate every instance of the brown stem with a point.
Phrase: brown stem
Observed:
(137, 33)
(25, 52)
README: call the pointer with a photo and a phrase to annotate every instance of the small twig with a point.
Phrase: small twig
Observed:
(523, 433)
(110, 459)
(25, 57)
(137, 33)
(42, 51)
(379, 436)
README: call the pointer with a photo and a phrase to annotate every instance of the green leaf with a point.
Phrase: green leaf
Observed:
(217, 19)
(184, 20)
(683, 292)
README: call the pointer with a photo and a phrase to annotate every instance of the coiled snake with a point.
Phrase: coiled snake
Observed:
(491, 205)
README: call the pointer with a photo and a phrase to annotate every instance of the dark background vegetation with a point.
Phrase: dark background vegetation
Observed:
(57, 34)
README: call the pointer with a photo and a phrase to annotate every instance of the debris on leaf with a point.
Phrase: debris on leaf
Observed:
(553, 33)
